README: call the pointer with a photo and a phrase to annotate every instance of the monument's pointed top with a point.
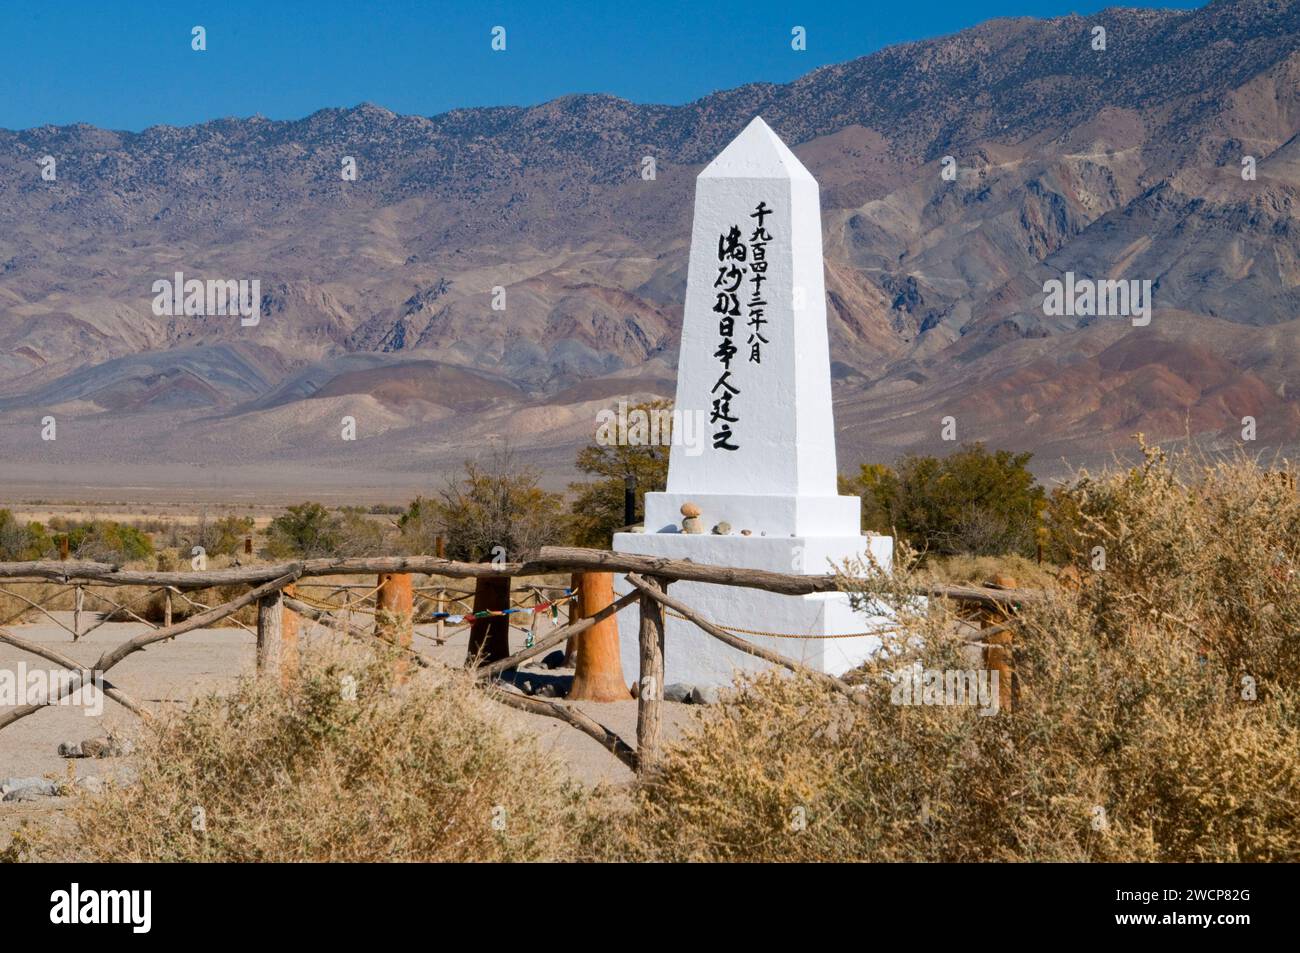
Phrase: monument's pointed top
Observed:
(757, 153)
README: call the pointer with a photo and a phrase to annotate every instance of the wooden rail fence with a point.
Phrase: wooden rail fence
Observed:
(280, 594)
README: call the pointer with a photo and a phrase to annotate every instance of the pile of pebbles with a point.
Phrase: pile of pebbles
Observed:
(33, 788)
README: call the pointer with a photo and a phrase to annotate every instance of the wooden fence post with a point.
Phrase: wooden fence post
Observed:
(650, 686)
(270, 629)
(440, 550)
(63, 548)
(440, 606)
(78, 604)
(490, 637)
(394, 619)
(598, 674)
(167, 607)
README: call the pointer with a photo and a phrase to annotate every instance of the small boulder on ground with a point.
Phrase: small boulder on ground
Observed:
(704, 695)
(678, 692)
(104, 747)
(27, 789)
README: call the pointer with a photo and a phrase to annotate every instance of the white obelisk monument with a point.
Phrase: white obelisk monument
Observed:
(754, 440)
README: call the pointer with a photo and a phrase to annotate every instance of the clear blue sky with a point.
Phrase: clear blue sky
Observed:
(127, 65)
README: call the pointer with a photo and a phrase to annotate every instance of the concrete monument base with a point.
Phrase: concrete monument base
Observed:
(694, 657)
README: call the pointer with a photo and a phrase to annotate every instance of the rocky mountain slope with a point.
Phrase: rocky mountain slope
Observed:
(378, 295)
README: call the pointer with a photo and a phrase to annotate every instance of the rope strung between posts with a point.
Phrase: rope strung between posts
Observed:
(735, 630)
(353, 605)
(455, 618)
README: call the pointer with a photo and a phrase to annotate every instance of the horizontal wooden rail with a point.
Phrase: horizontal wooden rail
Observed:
(549, 559)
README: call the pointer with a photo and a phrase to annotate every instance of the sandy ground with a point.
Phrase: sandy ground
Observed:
(209, 660)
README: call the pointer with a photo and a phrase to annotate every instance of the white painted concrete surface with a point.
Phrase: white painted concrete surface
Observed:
(773, 470)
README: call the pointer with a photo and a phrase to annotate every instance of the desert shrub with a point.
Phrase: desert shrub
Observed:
(495, 506)
(416, 772)
(223, 536)
(970, 502)
(1211, 549)
(19, 543)
(361, 534)
(976, 570)
(108, 541)
(1157, 718)
(310, 531)
(307, 530)
(597, 509)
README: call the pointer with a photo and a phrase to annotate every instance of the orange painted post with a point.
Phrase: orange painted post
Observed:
(394, 615)
(598, 674)
(63, 548)
(999, 651)
(489, 639)
(288, 641)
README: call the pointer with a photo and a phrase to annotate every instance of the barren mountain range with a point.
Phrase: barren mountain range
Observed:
(377, 294)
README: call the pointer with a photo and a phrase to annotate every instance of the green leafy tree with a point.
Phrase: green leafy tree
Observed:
(597, 508)
(877, 484)
(971, 501)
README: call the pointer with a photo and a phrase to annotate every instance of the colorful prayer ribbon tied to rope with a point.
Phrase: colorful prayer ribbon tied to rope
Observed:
(552, 606)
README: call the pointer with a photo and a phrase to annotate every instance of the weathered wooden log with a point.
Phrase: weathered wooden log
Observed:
(439, 607)
(598, 670)
(270, 631)
(72, 665)
(549, 559)
(654, 593)
(573, 558)
(607, 738)
(330, 621)
(650, 684)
